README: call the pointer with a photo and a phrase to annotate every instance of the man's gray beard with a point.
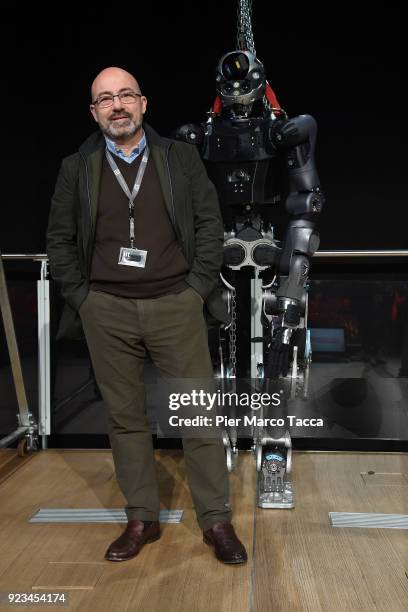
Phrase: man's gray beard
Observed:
(127, 131)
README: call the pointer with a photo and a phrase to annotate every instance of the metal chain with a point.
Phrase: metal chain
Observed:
(245, 39)
(233, 336)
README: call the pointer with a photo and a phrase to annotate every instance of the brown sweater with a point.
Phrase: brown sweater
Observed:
(166, 266)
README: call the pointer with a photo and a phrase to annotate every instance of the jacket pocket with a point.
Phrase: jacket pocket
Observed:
(70, 325)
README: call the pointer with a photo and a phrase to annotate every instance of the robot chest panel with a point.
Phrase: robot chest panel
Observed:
(245, 182)
(237, 142)
(236, 181)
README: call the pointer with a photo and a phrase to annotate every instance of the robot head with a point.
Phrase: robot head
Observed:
(240, 78)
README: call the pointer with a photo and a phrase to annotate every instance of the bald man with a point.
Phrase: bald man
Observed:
(119, 122)
(135, 243)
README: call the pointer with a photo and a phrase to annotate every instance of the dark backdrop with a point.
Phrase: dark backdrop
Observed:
(346, 70)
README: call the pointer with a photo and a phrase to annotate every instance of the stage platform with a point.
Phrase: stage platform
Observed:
(297, 560)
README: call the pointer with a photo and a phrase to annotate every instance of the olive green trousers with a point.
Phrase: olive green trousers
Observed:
(172, 329)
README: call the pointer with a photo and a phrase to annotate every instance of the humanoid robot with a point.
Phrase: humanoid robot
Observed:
(255, 155)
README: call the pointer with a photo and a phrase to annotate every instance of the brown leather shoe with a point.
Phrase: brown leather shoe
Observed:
(228, 548)
(130, 543)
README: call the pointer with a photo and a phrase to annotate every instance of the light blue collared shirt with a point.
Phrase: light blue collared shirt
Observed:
(135, 153)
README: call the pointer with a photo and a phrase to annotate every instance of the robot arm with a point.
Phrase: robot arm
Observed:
(296, 138)
(304, 203)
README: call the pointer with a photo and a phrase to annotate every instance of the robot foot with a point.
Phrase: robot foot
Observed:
(274, 489)
(275, 499)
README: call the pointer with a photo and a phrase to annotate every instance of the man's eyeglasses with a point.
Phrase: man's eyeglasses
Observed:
(127, 97)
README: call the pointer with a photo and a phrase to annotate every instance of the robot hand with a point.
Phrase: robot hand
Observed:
(285, 337)
(279, 354)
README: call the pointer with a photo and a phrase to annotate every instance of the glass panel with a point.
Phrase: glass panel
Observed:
(359, 331)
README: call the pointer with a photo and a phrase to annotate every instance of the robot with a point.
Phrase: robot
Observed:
(257, 156)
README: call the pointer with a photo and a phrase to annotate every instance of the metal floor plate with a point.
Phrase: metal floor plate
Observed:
(384, 479)
(368, 519)
(95, 515)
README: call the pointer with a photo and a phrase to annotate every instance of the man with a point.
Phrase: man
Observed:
(135, 244)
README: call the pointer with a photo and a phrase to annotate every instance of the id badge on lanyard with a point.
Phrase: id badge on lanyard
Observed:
(131, 256)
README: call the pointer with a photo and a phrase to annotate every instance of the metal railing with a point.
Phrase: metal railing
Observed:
(345, 253)
(28, 427)
(350, 254)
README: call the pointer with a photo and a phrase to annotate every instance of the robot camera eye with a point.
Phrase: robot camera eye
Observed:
(235, 66)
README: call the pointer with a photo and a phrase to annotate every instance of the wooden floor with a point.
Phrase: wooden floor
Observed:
(296, 560)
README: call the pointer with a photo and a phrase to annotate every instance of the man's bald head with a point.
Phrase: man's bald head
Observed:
(113, 79)
(121, 118)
